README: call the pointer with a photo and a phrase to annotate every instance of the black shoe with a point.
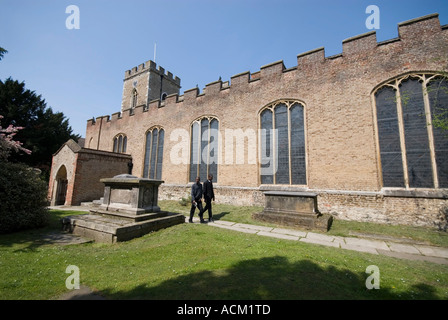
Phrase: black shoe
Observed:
(203, 221)
(190, 221)
(211, 220)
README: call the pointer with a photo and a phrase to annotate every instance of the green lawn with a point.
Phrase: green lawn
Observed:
(194, 261)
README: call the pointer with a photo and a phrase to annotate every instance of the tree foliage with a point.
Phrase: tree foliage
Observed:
(440, 100)
(44, 131)
(2, 53)
(7, 142)
(22, 190)
(22, 198)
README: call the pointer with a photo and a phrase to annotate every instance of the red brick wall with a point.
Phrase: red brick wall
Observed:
(340, 133)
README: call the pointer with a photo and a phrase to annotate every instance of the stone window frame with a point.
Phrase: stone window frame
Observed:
(148, 173)
(134, 98)
(288, 103)
(120, 142)
(424, 78)
(198, 120)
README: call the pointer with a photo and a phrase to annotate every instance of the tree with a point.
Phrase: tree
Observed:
(44, 131)
(439, 92)
(7, 143)
(22, 192)
(2, 53)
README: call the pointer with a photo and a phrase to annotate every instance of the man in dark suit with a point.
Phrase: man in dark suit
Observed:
(209, 195)
(196, 199)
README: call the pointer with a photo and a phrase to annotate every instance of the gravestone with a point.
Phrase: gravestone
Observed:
(294, 209)
(129, 209)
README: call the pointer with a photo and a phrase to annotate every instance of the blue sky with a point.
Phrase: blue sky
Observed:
(80, 71)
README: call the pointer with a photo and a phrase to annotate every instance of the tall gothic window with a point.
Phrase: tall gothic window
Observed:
(120, 143)
(413, 149)
(204, 148)
(152, 168)
(282, 139)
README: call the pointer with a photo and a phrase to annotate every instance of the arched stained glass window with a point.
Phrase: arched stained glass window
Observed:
(413, 149)
(120, 143)
(204, 148)
(282, 139)
(152, 168)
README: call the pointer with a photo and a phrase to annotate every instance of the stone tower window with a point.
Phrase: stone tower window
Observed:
(413, 152)
(282, 137)
(120, 143)
(134, 99)
(204, 148)
(152, 168)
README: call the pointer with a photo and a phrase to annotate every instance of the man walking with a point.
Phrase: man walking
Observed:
(209, 195)
(196, 200)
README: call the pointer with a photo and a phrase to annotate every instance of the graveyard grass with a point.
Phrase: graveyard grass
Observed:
(194, 261)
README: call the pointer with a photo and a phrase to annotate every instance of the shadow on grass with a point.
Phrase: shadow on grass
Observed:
(32, 239)
(271, 278)
(220, 215)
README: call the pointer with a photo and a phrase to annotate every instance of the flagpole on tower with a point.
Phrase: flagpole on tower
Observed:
(155, 49)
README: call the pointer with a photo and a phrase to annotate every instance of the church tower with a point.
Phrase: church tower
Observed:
(146, 83)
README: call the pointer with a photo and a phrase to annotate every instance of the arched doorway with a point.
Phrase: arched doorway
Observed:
(61, 186)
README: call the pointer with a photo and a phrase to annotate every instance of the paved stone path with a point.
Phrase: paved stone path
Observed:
(83, 293)
(392, 248)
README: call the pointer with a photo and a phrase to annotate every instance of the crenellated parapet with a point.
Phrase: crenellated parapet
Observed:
(151, 66)
(411, 35)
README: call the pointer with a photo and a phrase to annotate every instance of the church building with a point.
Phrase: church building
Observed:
(357, 129)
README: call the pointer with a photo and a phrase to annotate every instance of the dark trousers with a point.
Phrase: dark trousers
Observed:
(208, 206)
(193, 209)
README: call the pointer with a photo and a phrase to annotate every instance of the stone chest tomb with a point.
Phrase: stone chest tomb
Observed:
(296, 209)
(129, 210)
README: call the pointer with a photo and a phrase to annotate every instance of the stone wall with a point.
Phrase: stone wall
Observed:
(424, 209)
(150, 82)
(377, 207)
(244, 196)
(92, 166)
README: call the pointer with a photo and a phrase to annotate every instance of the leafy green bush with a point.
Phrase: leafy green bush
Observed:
(23, 193)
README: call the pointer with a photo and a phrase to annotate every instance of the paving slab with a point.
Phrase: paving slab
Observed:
(83, 293)
(404, 248)
(222, 222)
(339, 240)
(358, 248)
(385, 238)
(255, 227)
(232, 227)
(321, 242)
(376, 244)
(318, 236)
(278, 235)
(71, 208)
(290, 232)
(61, 238)
(433, 251)
(417, 257)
